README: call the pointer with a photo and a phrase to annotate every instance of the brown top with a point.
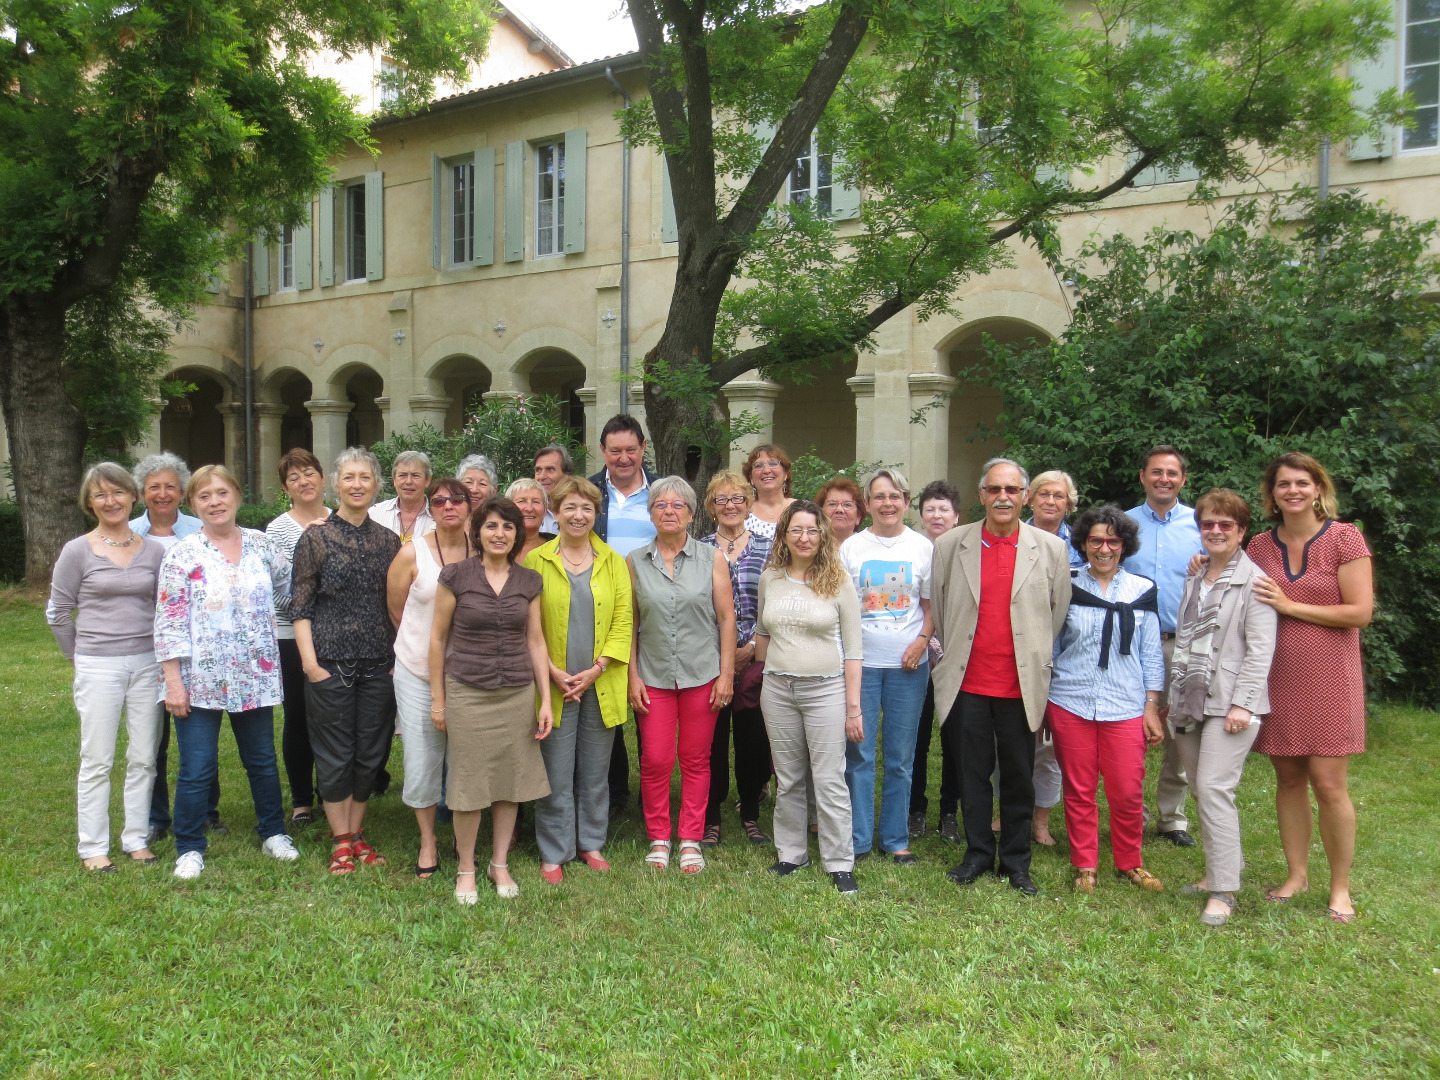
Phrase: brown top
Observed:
(487, 648)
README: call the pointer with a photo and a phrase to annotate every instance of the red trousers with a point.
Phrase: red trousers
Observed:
(678, 720)
(1088, 750)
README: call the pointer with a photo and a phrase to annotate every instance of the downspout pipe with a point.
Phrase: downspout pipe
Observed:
(250, 372)
(624, 255)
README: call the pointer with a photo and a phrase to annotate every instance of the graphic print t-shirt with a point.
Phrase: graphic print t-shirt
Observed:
(891, 575)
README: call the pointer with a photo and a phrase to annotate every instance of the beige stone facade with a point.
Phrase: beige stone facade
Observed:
(345, 353)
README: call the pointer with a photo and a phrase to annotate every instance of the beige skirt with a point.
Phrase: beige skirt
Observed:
(493, 753)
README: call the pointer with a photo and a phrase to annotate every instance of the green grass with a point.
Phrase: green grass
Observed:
(267, 970)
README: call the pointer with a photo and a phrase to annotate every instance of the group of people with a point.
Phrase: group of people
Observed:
(510, 638)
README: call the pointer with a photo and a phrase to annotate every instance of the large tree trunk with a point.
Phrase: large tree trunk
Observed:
(47, 433)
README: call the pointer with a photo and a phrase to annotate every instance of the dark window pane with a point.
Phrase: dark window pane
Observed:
(822, 201)
(1424, 9)
(355, 241)
(1422, 43)
(1423, 84)
(1424, 132)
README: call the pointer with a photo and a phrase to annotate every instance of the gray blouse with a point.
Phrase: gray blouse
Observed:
(679, 631)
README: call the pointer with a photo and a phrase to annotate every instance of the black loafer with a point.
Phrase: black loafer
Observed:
(861, 856)
(1179, 837)
(905, 858)
(967, 873)
(1022, 883)
(785, 869)
(216, 826)
(844, 882)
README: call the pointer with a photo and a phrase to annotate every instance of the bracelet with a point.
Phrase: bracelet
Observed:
(852, 715)
(437, 708)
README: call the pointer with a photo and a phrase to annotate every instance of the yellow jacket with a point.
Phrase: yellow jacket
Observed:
(610, 587)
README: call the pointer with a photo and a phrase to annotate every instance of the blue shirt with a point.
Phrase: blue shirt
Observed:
(1166, 546)
(185, 525)
(1077, 560)
(1078, 684)
(629, 526)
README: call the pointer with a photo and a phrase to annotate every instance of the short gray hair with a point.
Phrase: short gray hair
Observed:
(409, 457)
(363, 455)
(994, 461)
(481, 462)
(525, 483)
(895, 476)
(1064, 479)
(158, 463)
(107, 472)
(567, 463)
(667, 485)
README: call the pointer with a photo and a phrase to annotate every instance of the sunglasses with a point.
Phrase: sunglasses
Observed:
(1002, 489)
(1222, 526)
(449, 500)
(1105, 541)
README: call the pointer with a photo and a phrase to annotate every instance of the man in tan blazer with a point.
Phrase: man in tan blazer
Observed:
(999, 593)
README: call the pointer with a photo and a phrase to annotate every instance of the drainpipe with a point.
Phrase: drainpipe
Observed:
(249, 372)
(624, 255)
(1324, 177)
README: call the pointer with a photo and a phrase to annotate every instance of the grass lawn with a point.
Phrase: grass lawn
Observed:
(262, 969)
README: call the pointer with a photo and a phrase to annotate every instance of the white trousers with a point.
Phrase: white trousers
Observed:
(106, 687)
(424, 743)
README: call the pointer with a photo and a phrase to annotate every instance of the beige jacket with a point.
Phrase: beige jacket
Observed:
(1244, 644)
(1039, 599)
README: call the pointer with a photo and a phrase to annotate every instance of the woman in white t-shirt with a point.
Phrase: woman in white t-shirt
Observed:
(889, 565)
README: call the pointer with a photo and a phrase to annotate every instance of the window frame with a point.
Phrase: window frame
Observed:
(452, 166)
(557, 228)
(1406, 22)
(355, 255)
(285, 260)
(811, 194)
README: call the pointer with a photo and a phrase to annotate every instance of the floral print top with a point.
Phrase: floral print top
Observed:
(218, 620)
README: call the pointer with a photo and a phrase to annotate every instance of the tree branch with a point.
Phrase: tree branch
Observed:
(129, 182)
(1077, 198)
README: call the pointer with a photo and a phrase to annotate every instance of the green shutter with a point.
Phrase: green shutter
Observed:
(669, 228)
(1372, 78)
(374, 226)
(484, 206)
(437, 223)
(575, 191)
(1163, 174)
(259, 268)
(844, 199)
(326, 224)
(514, 201)
(304, 254)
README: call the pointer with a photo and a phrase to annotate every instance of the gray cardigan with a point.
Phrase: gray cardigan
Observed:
(1245, 643)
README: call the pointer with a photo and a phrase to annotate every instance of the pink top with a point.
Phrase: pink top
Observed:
(412, 640)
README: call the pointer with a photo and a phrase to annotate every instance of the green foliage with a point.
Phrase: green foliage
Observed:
(257, 515)
(12, 543)
(809, 471)
(1294, 325)
(508, 431)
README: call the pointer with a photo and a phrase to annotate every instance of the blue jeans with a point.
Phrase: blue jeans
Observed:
(160, 795)
(898, 694)
(199, 737)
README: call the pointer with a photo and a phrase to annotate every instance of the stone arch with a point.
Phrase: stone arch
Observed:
(287, 389)
(196, 426)
(816, 409)
(457, 384)
(560, 374)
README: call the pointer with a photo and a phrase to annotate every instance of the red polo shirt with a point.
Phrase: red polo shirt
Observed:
(991, 670)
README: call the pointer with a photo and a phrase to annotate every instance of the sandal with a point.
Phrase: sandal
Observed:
(1085, 881)
(505, 892)
(342, 855)
(424, 873)
(302, 817)
(659, 856)
(1143, 878)
(1275, 898)
(100, 868)
(691, 860)
(1341, 916)
(1220, 918)
(364, 852)
(469, 899)
(711, 837)
(753, 833)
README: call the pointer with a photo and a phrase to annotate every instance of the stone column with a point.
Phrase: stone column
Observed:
(429, 409)
(234, 421)
(756, 396)
(327, 420)
(929, 439)
(383, 404)
(588, 396)
(149, 441)
(268, 416)
(863, 387)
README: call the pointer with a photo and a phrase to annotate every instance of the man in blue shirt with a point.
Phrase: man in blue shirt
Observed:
(622, 520)
(1168, 538)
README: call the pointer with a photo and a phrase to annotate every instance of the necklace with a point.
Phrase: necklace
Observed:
(580, 563)
(117, 543)
(441, 549)
(730, 540)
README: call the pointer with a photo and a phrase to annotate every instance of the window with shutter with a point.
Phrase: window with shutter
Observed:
(1372, 78)
(549, 199)
(259, 268)
(514, 201)
(355, 222)
(285, 260)
(575, 161)
(1422, 73)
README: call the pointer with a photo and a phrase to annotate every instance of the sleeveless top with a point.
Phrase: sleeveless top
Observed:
(412, 640)
(679, 635)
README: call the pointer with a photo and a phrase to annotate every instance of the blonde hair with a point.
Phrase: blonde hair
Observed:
(728, 478)
(1055, 476)
(1327, 506)
(827, 574)
(570, 484)
(206, 473)
(525, 484)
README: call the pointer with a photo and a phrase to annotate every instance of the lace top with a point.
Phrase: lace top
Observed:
(339, 586)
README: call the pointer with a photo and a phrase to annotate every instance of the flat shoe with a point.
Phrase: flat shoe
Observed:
(595, 862)
(1219, 918)
(108, 868)
(1194, 890)
(552, 877)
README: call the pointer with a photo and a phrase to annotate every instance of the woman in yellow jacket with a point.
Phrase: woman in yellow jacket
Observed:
(586, 614)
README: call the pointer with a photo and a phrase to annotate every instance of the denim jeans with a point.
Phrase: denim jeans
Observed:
(898, 695)
(160, 795)
(199, 738)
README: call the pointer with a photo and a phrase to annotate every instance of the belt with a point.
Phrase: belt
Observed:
(1166, 637)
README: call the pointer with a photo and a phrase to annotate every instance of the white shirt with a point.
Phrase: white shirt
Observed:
(891, 574)
(387, 513)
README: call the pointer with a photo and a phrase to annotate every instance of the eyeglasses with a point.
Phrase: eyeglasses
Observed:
(1048, 496)
(448, 500)
(1222, 526)
(729, 500)
(832, 506)
(1002, 489)
(801, 534)
(1105, 541)
(109, 496)
(765, 464)
(680, 505)
(887, 497)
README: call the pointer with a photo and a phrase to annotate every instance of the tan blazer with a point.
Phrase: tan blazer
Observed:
(1244, 644)
(1039, 599)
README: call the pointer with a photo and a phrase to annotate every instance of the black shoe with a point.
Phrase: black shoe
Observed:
(917, 825)
(1179, 837)
(861, 856)
(157, 832)
(905, 858)
(785, 869)
(303, 818)
(618, 808)
(845, 882)
(216, 826)
(950, 828)
(967, 873)
(1021, 882)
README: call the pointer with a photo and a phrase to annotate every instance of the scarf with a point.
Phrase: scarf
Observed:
(1190, 668)
(1117, 610)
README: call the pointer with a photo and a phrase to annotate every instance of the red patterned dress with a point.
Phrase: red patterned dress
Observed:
(1317, 685)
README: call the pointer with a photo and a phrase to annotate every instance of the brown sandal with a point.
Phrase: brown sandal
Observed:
(1085, 881)
(364, 852)
(342, 855)
(1143, 878)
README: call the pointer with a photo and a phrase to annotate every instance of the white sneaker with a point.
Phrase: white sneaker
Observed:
(189, 866)
(280, 847)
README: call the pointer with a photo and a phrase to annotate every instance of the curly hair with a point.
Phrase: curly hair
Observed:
(827, 574)
(1107, 514)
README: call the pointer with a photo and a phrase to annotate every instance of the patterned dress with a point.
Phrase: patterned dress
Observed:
(1317, 684)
